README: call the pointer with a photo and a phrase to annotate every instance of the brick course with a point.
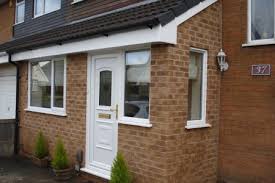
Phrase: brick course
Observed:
(6, 21)
(247, 148)
(71, 128)
(167, 152)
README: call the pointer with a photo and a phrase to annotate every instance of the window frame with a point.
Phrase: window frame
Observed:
(16, 13)
(249, 28)
(43, 13)
(191, 124)
(53, 110)
(131, 120)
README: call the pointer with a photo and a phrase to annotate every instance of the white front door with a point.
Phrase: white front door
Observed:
(104, 110)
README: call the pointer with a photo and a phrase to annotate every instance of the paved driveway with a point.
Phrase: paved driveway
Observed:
(15, 170)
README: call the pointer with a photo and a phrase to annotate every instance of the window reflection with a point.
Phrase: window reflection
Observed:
(195, 86)
(262, 19)
(137, 84)
(41, 84)
(58, 83)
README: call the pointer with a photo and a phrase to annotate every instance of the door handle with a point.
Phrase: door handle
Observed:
(115, 110)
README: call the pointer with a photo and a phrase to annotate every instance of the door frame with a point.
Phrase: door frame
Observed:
(90, 110)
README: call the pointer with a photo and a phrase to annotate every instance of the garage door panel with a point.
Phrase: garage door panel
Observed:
(7, 97)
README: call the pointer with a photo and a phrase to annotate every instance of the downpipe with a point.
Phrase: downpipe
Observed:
(16, 134)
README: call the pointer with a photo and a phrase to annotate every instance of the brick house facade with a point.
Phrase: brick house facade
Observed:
(166, 152)
(247, 148)
(6, 19)
(230, 142)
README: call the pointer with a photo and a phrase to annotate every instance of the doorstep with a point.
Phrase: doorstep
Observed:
(91, 178)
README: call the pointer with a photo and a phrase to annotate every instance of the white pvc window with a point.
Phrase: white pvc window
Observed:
(261, 24)
(197, 89)
(19, 11)
(47, 86)
(137, 87)
(42, 7)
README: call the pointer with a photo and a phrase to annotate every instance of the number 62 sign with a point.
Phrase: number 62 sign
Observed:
(261, 70)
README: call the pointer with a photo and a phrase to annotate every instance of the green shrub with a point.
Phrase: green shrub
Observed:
(41, 149)
(120, 172)
(60, 158)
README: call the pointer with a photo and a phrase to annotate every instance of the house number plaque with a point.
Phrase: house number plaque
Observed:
(104, 116)
(261, 70)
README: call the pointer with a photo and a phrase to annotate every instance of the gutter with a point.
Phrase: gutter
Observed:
(16, 135)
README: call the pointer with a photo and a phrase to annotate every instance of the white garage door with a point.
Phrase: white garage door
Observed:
(7, 92)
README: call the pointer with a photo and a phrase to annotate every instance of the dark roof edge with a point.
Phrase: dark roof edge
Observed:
(107, 32)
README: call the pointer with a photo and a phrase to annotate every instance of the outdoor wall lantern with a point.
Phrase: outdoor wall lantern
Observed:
(221, 57)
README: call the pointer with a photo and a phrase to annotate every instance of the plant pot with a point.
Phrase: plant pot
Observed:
(42, 163)
(62, 175)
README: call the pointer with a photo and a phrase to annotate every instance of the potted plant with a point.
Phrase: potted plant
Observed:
(41, 152)
(120, 172)
(60, 163)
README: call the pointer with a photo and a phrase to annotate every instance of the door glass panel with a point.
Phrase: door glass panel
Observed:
(105, 88)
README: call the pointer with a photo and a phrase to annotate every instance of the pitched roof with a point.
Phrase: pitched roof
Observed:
(150, 15)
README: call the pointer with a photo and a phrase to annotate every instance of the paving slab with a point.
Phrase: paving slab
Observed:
(19, 170)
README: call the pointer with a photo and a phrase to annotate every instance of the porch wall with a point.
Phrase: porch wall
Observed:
(71, 128)
(167, 152)
(191, 155)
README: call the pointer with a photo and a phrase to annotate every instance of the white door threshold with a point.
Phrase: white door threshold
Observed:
(98, 174)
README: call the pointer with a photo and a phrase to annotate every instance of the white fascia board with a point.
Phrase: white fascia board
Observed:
(4, 58)
(158, 34)
(193, 11)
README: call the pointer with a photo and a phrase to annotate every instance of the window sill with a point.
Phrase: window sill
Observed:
(46, 111)
(197, 126)
(262, 43)
(146, 125)
(18, 23)
(40, 15)
(76, 1)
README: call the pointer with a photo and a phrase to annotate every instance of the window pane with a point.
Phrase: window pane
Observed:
(195, 86)
(39, 5)
(105, 89)
(137, 84)
(262, 19)
(20, 13)
(52, 5)
(41, 84)
(58, 83)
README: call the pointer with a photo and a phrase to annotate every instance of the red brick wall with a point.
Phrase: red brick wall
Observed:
(247, 148)
(6, 21)
(167, 152)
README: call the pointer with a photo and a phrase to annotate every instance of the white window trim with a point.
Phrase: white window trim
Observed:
(130, 120)
(43, 13)
(16, 6)
(193, 124)
(251, 42)
(77, 1)
(53, 110)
